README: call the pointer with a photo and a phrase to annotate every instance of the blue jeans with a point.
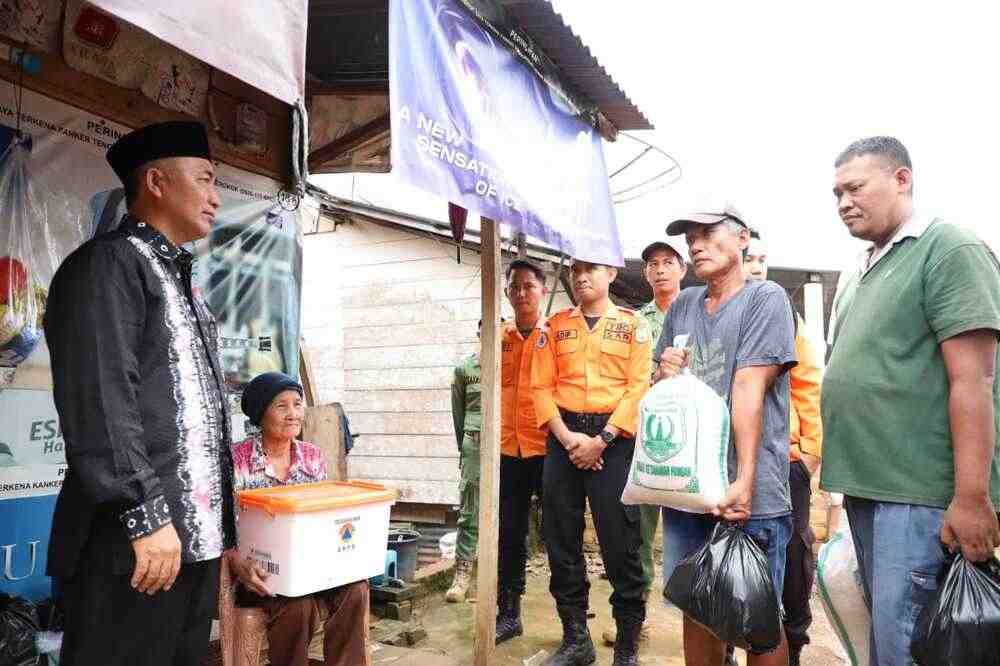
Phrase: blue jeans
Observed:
(684, 533)
(899, 556)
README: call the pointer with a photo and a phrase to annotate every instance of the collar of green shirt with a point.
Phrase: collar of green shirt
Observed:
(912, 228)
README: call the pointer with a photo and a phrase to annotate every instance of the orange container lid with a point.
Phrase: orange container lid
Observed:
(319, 496)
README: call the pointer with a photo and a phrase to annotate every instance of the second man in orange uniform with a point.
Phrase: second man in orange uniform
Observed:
(590, 370)
(522, 441)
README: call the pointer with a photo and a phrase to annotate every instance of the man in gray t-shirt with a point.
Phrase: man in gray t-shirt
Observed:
(739, 338)
(747, 330)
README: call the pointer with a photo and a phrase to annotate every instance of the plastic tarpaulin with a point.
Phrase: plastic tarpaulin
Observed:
(261, 42)
(473, 124)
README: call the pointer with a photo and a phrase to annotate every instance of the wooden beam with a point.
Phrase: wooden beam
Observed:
(489, 447)
(59, 81)
(350, 141)
(332, 8)
(322, 428)
(606, 127)
(373, 88)
(306, 376)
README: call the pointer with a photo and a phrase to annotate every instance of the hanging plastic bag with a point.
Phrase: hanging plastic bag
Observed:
(18, 626)
(842, 595)
(961, 624)
(22, 292)
(726, 587)
(682, 447)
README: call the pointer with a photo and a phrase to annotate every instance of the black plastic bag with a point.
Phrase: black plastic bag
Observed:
(18, 626)
(726, 587)
(961, 624)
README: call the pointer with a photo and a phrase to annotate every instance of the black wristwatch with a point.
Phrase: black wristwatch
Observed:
(607, 437)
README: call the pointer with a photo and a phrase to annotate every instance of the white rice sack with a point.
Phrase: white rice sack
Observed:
(842, 594)
(681, 447)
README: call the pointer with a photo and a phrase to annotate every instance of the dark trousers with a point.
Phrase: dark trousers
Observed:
(292, 621)
(110, 624)
(520, 478)
(800, 565)
(567, 491)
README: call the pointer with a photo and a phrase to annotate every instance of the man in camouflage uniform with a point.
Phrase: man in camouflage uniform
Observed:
(663, 268)
(466, 410)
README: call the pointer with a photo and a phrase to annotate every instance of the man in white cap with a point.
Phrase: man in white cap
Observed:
(740, 340)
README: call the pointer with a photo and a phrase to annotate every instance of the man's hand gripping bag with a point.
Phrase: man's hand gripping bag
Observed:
(726, 587)
(961, 624)
(682, 447)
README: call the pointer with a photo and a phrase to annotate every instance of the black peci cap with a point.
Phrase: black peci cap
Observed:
(176, 138)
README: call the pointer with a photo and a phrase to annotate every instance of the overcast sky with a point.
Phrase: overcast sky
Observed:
(755, 100)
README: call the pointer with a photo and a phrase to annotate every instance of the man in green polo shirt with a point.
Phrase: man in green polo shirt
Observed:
(910, 396)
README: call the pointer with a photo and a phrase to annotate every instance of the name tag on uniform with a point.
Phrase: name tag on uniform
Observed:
(567, 334)
(619, 331)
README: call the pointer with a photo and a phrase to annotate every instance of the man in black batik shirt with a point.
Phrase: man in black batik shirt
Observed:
(146, 507)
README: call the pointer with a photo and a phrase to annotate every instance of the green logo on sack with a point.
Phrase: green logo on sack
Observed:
(659, 430)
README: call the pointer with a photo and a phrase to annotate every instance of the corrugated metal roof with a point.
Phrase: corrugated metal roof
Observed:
(578, 65)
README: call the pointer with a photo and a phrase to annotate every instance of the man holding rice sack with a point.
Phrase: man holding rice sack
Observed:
(737, 338)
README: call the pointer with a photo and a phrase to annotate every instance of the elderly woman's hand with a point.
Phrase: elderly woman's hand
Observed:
(251, 575)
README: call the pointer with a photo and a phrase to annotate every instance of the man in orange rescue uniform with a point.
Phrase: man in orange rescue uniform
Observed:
(591, 367)
(522, 441)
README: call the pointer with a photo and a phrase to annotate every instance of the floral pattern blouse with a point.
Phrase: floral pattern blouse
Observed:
(250, 468)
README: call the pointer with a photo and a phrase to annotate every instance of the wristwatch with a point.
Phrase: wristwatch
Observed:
(607, 437)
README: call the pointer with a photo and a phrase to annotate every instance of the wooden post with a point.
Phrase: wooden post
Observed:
(322, 428)
(489, 447)
(306, 376)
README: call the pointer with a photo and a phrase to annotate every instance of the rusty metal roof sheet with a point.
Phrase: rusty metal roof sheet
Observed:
(579, 68)
(578, 65)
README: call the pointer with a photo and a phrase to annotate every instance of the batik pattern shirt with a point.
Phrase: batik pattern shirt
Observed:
(250, 468)
(140, 393)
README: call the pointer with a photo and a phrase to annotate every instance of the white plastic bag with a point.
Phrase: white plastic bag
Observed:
(447, 545)
(681, 447)
(842, 594)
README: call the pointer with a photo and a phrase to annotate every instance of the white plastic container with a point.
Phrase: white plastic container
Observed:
(316, 536)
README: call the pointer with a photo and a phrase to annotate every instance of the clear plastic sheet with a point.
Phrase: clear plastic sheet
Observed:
(250, 271)
(29, 250)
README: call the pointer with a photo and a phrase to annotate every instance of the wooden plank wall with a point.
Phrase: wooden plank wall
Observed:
(387, 315)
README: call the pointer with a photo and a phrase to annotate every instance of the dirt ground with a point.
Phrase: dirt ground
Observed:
(450, 628)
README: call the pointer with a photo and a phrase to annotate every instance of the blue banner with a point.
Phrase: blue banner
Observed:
(24, 544)
(471, 123)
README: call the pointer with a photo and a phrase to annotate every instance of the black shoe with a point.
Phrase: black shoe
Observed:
(577, 649)
(627, 643)
(794, 654)
(731, 656)
(508, 616)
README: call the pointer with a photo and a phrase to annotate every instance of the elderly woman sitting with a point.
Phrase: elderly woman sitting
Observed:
(274, 402)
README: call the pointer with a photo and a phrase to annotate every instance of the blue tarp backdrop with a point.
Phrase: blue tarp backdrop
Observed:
(471, 123)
